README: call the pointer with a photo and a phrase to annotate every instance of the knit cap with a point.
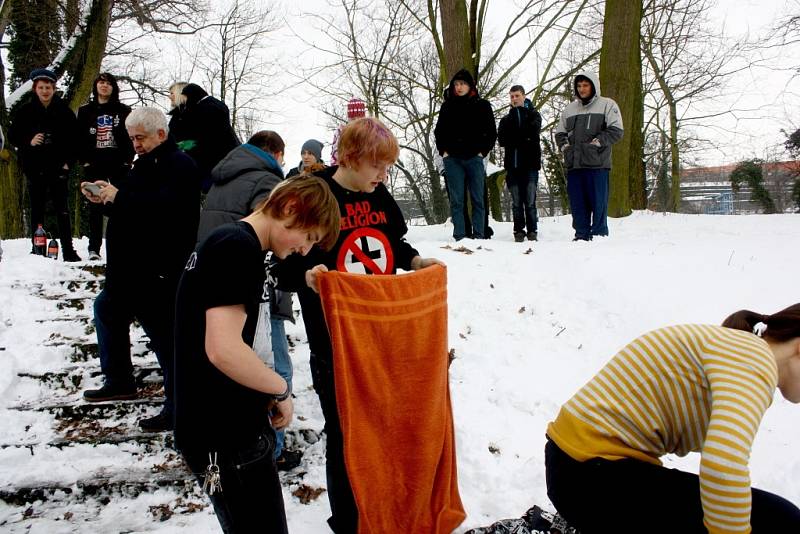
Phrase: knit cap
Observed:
(313, 146)
(356, 108)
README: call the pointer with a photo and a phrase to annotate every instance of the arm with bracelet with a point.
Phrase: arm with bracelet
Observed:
(228, 352)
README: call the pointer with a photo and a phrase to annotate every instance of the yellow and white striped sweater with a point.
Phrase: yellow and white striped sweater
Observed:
(677, 390)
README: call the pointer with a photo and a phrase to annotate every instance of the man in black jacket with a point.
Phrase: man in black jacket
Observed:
(518, 133)
(151, 232)
(44, 131)
(105, 149)
(206, 129)
(465, 133)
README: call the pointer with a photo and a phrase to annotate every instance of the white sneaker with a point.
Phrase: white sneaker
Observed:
(94, 256)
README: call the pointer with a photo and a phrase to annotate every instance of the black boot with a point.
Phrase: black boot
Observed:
(71, 255)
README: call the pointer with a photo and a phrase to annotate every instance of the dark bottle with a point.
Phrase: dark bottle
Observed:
(52, 249)
(40, 241)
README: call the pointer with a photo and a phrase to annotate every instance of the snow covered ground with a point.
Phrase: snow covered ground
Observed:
(529, 323)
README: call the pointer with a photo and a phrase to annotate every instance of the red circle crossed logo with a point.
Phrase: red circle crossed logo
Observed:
(366, 251)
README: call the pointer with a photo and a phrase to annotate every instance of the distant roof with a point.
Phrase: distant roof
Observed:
(791, 166)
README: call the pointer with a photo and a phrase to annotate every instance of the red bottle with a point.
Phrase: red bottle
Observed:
(40, 241)
(52, 249)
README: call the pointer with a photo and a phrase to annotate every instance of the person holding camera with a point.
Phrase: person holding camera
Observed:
(44, 131)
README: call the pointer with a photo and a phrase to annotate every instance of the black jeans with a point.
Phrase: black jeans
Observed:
(54, 186)
(631, 496)
(344, 513)
(251, 499)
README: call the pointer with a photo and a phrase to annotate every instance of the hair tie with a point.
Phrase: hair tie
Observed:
(759, 328)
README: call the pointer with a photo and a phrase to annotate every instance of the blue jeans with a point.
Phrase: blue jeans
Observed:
(113, 314)
(283, 366)
(251, 499)
(522, 185)
(465, 174)
(588, 200)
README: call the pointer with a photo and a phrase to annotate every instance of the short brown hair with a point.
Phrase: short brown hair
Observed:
(309, 200)
(367, 140)
(268, 141)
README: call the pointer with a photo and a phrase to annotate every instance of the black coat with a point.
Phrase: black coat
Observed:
(465, 126)
(518, 133)
(152, 222)
(59, 125)
(104, 159)
(206, 120)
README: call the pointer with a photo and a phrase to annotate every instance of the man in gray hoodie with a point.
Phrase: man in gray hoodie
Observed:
(589, 125)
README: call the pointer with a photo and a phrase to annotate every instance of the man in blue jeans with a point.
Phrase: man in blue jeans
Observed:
(465, 133)
(589, 125)
(518, 133)
(152, 224)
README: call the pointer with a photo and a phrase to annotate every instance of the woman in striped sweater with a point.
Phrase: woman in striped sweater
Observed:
(676, 390)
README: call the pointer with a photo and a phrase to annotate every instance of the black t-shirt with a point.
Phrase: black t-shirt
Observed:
(212, 411)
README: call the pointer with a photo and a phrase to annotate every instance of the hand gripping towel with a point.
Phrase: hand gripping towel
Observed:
(389, 338)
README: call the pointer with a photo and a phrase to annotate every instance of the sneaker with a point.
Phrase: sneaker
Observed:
(71, 255)
(158, 423)
(519, 237)
(108, 393)
(288, 460)
(532, 236)
(94, 256)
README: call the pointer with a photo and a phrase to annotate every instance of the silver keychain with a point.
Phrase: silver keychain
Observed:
(212, 480)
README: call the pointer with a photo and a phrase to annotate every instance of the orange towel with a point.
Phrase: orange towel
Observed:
(389, 337)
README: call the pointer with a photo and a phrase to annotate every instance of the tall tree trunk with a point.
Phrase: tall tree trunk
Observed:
(621, 79)
(635, 130)
(84, 60)
(675, 159)
(456, 38)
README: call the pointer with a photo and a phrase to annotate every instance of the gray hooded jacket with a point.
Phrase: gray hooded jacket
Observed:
(580, 123)
(239, 184)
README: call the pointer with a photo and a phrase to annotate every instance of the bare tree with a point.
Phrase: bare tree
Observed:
(231, 57)
(688, 64)
(394, 55)
(82, 29)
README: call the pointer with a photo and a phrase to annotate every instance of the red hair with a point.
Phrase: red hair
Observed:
(367, 140)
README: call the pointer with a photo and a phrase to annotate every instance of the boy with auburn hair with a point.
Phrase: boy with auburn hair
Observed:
(227, 400)
(372, 241)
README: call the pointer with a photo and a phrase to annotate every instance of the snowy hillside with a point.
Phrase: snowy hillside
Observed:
(529, 324)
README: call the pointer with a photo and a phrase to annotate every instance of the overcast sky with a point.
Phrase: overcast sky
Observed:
(766, 99)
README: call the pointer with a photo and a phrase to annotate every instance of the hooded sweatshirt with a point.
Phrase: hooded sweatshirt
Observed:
(206, 120)
(598, 118)
(104, 143)
(239, 183)
(465, 127)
